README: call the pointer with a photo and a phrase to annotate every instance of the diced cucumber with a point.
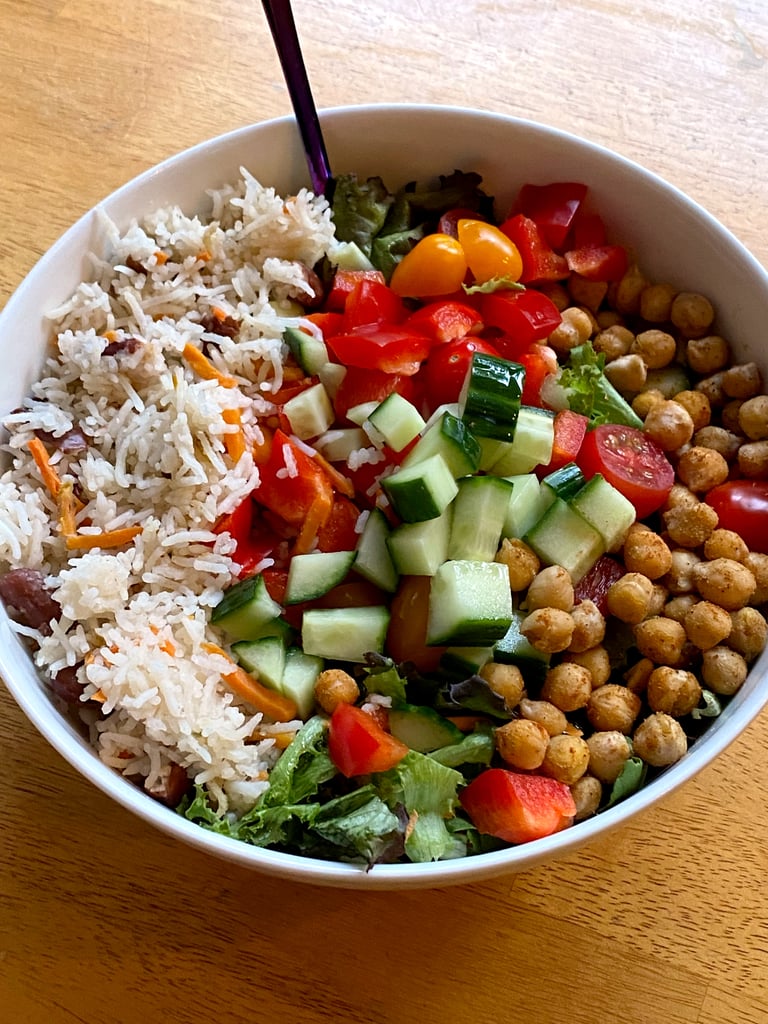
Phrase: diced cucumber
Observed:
(314, 574)
(245, 609)
(349, 256)
(606, 509)
(344, 634)
(373, 561)
(470, 604)
(490, 396)
(479, 512)
(338, 445)
(299, 678)
(310, 412)
(563, 537)
(264, 658)
(360, 413)
(396, 421)
(419, 549)
(421, 728)
(514, 649)
(448, 437)
(491, 450)
(465, 661)
(308, 351)
(532, 444)
(421, 491)
(563, 483)
(526, 505)
(331, 375)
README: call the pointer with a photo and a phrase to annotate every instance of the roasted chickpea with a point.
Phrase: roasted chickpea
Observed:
(608, 753)
(588, 295)
(712, 387)
(596, 660)
(659, 598)
(678, 607)
(729, 415)
(689, 527)
(643, 402)
(574, 329)
(707, 355)
(506, 681)
(752, 459)
(659, 740)
(757, 563)
(551, 588)
(723, 670)
(656, 348)
(628, 598)
(568, 686)
(660, 639)
(753, 418)
(522, 743)
(521, 561)
(613, 707)
(748, 632)
(680, 578)
(706, 624)
(673, 690)
(718, 438)
(638, 675)
(546, 714)
(614, 342)
(680, 496)
(627, 292)
(696, 404)
(587, 793)
(549, 630)
(724, 582)
(669, 424)
(725, 544)
(588, 626)
(334, 687)
(701, 469)
(627, 373)
(692, 314)
(743, 380)
(656, 302)
(566, 758)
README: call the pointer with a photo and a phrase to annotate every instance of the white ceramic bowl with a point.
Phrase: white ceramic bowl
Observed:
(676, 241)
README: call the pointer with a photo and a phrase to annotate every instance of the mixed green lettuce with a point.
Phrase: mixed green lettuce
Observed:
(583, 387)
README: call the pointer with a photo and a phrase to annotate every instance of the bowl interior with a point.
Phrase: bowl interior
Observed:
(674, 239)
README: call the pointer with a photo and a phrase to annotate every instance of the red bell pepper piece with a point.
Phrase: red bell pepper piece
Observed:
(392, 348)
(527, 316)
(570, 431)
(445, 320)
(540, 261)
(599, 262)
(329, 323)
(517, 808)
(553, 207)
(596, 583)
(343, 283)
(539, 362)
(253, 539)
(360, 385)
(372, 302)
(586, 229)
(338, 533)
(358, 745)
(291, 482)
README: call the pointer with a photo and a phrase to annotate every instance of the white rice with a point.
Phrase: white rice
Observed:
(135, 618)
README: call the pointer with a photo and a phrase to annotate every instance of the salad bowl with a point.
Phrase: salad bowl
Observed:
(673, 238)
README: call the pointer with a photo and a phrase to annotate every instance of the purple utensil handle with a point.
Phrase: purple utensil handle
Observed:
(283, 29)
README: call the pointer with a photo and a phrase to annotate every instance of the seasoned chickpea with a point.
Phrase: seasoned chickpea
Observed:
(696, 404)
(757, 563)
(549, 630)
(753, 418)
(723, 670)
(614, 342)
(701, 469)
(551, 588)
(627, 373)
(596, 660)
(680, 578)
(647, 553)
(706, 624)
(546, 714)
(656, 303)
(729, 415)
(588, 626)
(707, 355)
(678, 607)
(725, 544)
(669, 424)
(720, 439)
(743, 380)
(712, 387)
(588, 294)
(506, 681)
(608, 318)
(574, 329)
(656, 348)
(680, 495)
(557, 292)
(522, 743)
(613, 707)
(334, 687)
(725, 582)
(753, 460)
(521, 561)
(566, 758)
(628, 598)
(659, 740)
(587, 793)
(660, 639)
(638, 675)
(608, 753)
(690, 527)
(692, 314)
(568, 686)
(646, 400)
(659, 598)
(627, 292)
(748, 632)
(673, 691)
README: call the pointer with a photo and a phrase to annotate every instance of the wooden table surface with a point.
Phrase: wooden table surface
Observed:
(103, 919)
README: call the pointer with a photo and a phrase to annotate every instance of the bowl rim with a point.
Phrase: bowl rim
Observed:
(54, 728)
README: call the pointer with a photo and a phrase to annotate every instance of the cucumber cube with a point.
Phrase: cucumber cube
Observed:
(422, 491)
(470, 604)
(606, 509)
(344, 634)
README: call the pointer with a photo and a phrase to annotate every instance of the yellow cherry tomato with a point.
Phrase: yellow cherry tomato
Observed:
(436, 265)
(489, 252)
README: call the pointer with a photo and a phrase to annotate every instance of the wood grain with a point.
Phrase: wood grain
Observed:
(103, 919)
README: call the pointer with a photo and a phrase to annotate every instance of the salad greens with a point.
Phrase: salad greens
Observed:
(585, 389)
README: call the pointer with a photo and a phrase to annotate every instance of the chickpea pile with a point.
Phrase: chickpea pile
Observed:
(692, 597)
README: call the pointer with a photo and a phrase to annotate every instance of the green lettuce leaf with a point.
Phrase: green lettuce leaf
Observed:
(302, 768)
(494, 284)
(360, 209)
(588, 391)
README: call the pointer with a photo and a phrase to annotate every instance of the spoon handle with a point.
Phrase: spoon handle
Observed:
(283, 29)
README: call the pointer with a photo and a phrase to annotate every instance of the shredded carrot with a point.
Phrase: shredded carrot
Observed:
(167, 646)
(235, 443)
(283, 740)
(109, 335)
(203, 255)
(269, 702)
(205, 368)
(317, 517)
(219, 313)
(65, 500)
(161, 258)
(105, 539)
(99, 696)
(342, 483)
(51, 478)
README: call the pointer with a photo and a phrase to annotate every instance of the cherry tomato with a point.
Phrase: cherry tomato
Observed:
(490, 253)
(517, 808)
(358, 745)
(436, 265)
(632, 462)
(447, 367)
(742, 506)
(407, 634)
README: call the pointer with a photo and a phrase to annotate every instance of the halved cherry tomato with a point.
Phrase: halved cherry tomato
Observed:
(436, 265)
(447, 366)
(490, 253)
(632, 462)
(358, 745)
(446, 320)
(343, 283)
(526, 316)
(598, 262)
(742, 506)
(570, 431)
(360, 385)
(517, 808)
(372, 302)
(553, 207)
(540, 261)
(391, 348)
(539, 362)
(407, 634)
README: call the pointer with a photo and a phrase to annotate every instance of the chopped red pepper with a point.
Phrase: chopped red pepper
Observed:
(445, 320)
(594, 586)
(358, 745)
(392, 348)
(586, 229)
(599, 262)
(253, 539)
(553, 207)
(343, 283)
(570, 431)
(372, 302)
(292, 482)
(540, 261)
(516, 807)
(329, 322)
(338, 533)
(527, 316)
(360, 385)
